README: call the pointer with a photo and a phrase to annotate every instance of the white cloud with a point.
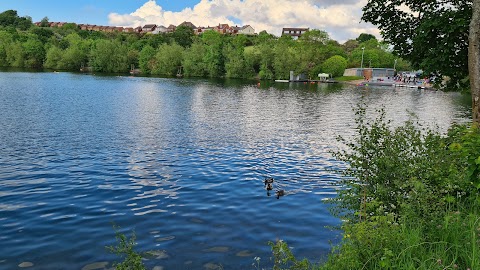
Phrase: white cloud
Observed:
(341, 19)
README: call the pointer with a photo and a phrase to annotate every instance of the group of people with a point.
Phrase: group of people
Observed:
(410, 78)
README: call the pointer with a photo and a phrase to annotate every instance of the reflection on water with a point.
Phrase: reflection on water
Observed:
(181, 162)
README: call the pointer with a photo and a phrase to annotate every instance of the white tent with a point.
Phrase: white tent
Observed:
(323, 76)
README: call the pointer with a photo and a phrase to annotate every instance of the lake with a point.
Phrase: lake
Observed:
(181, 162)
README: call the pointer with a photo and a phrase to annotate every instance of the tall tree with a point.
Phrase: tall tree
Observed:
(474, 60)
(441, 37)
(365, 37)
(335, 65)
(183, 36)
(168, 59)
(109, 56)
(44, 22)
(213, 57)
(193, 64)
(146, 59)
(432, 35)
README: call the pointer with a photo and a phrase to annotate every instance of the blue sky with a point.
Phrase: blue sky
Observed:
(339, 18)
(84, 11)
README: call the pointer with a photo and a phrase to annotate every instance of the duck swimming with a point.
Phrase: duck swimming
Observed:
(268, 186)
(279, 193)
(268, 180)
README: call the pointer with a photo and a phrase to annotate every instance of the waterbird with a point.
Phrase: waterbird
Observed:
(268, 180)
(279, 193)
(269, 186)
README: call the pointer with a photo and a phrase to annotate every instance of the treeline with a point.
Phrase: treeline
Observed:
(210, 55)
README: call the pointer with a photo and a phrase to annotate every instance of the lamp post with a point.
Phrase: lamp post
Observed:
(363, 50)
(394, 64)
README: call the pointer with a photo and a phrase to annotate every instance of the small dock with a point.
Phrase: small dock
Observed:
(396, 84)
(302, 78)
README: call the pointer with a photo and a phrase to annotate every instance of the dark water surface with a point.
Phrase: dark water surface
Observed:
(181, 162)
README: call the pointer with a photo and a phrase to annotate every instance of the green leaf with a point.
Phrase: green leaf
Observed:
(477, 161)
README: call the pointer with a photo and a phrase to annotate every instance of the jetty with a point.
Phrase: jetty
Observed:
(301, 78)
(395, 84)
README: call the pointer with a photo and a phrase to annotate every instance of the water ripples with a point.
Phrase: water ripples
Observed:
(181, 162)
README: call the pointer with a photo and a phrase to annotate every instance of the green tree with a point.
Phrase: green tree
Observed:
(261, 57)
(53, 58)
(8, 18)
(34, 53)
(5, 39)
(316, 36)
(365, 37)
(335, 65)
(132, 57)
(236, 65)
(263, 37)
(70, 26)
(432, 35)
(286, 58)
(168, 59)
(213, 57)
(11, 18)
(15, 54)
(109, 56)
(350, 45)
(44, 22)
(183, 36)
(193, 64)
(146, 59)
(76, 53)
(44, 34)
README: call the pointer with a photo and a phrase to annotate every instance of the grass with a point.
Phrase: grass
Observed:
(348, 78)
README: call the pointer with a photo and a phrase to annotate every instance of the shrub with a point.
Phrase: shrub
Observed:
(125, 249)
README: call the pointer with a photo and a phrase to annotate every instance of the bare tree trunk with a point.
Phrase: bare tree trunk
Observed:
(474, 60)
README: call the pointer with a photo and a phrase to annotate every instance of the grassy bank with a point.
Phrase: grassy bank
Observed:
(410, 199)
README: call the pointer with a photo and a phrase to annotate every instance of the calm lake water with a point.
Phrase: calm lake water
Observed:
(180, 162)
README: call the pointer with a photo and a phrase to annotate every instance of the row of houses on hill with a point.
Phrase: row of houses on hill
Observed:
(157, 29)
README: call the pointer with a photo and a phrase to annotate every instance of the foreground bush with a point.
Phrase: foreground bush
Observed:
(410, 198)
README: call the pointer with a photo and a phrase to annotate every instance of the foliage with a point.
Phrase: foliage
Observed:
(213, 57)
(315, 36)
(211, 54)
(283, 257)
(146, 59)
(192, 63)
(365, 37)
(348, 78)
(125, 249)
(386, 245)
(335, 65)
(44, 22)
(432, 35)
(403, 171)
(183, 36)
(11, 18)
(236, 64)
(168, 59)
(411, 198)
(34, 53)
(109, 56)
